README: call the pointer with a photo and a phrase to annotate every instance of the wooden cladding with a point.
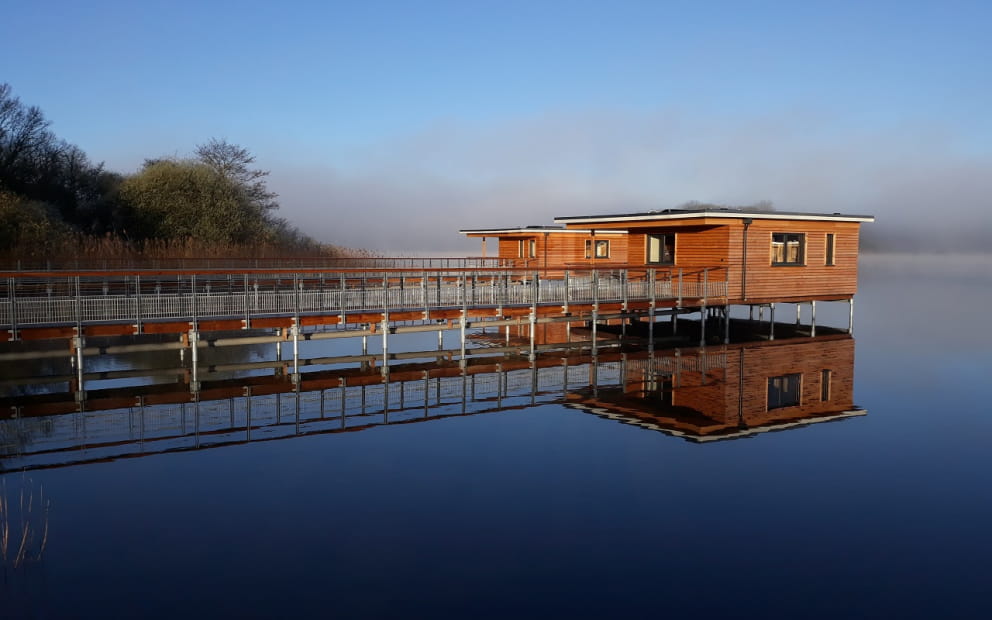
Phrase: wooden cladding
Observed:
(786, 259)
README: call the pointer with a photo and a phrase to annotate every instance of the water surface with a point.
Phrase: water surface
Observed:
(537, 508)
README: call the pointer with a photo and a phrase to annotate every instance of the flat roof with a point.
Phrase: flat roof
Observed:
(523, 230)
(722, 434)
(678, 214)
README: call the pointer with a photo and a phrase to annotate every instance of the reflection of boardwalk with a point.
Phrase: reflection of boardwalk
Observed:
(700, 392)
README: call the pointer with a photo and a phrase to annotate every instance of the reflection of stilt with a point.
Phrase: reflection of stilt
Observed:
(702, 325)
(850, 316)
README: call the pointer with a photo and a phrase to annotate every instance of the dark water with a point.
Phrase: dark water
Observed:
(550, 510)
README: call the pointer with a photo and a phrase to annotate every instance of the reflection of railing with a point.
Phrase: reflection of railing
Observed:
(49, 299)
(284, 408)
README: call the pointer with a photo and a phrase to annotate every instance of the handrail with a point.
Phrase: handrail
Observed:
(47, 299)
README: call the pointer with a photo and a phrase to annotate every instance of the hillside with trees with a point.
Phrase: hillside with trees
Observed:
(56, 203)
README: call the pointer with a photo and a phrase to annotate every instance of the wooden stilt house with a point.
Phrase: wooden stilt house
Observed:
(765, 256)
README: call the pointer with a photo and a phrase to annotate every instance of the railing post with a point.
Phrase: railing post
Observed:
(297, 284)
(703, 310)
(137, 304)
(385, 340)
(595, 311)
(194, 338)
(462, 321)
(706, 284)
(11, 295)
(652, 278)
(624, 284)
(78, 342)
(247, 306)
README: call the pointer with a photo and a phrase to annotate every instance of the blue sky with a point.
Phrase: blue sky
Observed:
(432, 116)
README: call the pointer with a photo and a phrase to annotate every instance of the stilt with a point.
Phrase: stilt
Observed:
(850, 316)
(726, 325)
(812, 318)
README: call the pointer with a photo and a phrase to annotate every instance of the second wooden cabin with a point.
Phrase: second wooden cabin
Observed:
(765, 256)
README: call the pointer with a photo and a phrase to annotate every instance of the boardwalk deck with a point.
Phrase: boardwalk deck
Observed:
(40, 305)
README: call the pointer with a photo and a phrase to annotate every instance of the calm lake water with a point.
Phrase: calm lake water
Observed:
(531, 508)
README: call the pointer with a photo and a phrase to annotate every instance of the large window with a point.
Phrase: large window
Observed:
(661, 249)
(527, 248)
(597, 248)
(830, 249)
(784, 391)
(787, 248)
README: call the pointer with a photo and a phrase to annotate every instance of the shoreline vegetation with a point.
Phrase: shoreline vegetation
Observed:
(55, 204)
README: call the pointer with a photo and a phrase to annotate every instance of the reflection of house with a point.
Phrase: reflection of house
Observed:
(788, 256)
(756, 386)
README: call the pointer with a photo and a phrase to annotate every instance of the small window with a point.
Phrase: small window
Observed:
(661, 249)
(784, 391)
(787, 248)
(825, 377)
(830, 249)
(597, 248)
(526, 248)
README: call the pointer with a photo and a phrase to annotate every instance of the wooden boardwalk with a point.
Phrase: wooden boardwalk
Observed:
(77, 304)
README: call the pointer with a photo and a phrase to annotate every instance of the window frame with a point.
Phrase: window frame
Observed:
(592, 248)
(787, 238)
(781, 392)
(830, 250)
(662, 237)
(526, 248)
(826, 385)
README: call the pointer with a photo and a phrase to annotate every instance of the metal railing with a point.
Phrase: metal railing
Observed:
(40, 299)
(239, 264)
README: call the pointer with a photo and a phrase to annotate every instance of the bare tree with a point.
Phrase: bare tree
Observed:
(234, 163)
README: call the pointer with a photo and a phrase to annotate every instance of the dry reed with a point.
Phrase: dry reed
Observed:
(26, 525)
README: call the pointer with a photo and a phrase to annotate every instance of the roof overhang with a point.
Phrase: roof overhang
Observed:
(533, 230)
(721, 435)
(662, 216)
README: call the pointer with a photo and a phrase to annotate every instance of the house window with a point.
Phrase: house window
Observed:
(830, 249)
(825, 376)
(661, 249)
(597, 248)
(527, 248)
(787, 248)
(784, 391)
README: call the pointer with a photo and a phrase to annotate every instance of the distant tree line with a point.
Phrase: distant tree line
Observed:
(54, 201)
